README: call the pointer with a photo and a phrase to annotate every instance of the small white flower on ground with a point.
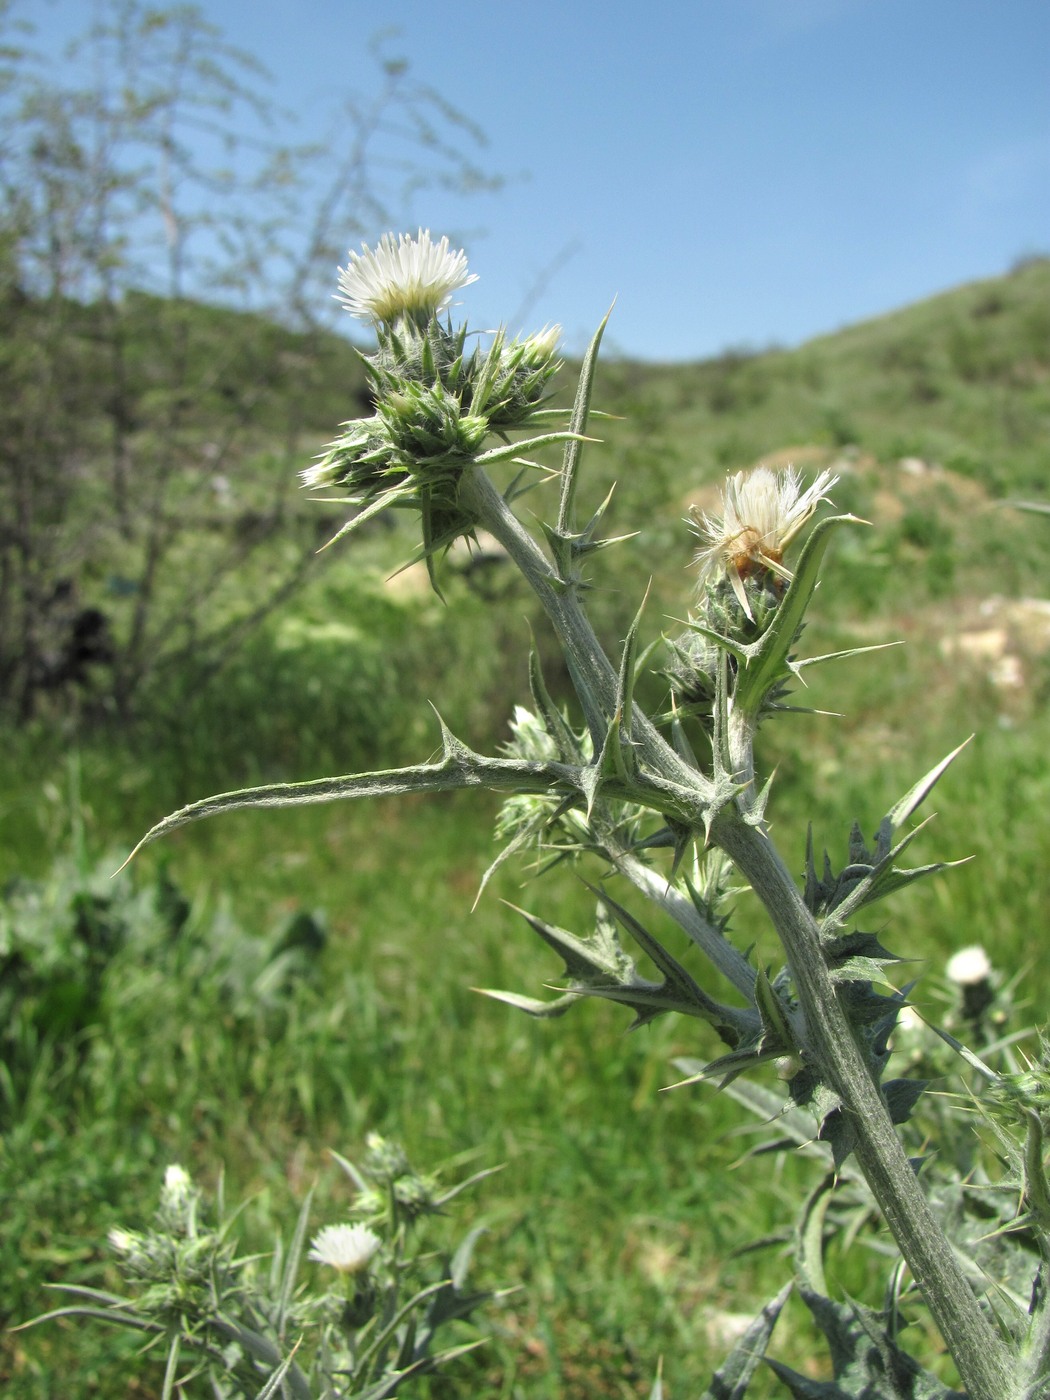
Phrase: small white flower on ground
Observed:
(762, 512)
(176, 1183)
(968, 967)
(348, 1248)
(407, 277)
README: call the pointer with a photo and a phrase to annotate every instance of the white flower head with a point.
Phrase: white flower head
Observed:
(348, 1248)
(762, 512)
(969, 967)
(177, 1184)
(404, 277)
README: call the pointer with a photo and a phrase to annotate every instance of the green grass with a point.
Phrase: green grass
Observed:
(621, 1206)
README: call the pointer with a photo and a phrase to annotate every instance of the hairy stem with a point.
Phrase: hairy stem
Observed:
(594, 675)
(978, 1351)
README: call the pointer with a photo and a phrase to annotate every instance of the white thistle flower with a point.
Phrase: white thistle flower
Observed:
(410, 277)
(762, 512)
(969, 967)
(348, 1248)
(177, 1183)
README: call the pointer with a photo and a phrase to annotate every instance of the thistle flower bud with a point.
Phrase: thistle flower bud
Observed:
(540, 348)
(429, 423)
(384, 1161)
(123, 1241)
(177, 1193)
(386, 1164)
(525, 369)
(359, 458)
(414, 1195)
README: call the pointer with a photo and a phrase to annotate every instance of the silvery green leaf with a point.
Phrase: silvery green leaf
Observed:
(866, 1360)
(577, 427)
(291, 1264)
(731, 1380)
(532, 1006)
(766, 660)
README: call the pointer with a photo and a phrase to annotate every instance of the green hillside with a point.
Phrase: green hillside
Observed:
(181, 1014)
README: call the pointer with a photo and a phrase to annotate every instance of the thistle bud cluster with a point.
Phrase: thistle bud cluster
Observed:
(436, 401)
(372, 1312)
(180, 1257)
(392, 1184)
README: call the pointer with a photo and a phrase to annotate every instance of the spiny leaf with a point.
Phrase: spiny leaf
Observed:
(626, 679)
(865, 1357)
(809, 1235)
(512, 451)
(1037, 1191)
(577, 427)
(840, 951)
(598, 957)
(799, 666)
(532, 1006)
(728, 1067)
(766, 660)
(902, 810)
(687, 995)
(777, 1036)
(386, 500)
(901, 1096)
(553, 720)
(459, 767)
(731, 1380)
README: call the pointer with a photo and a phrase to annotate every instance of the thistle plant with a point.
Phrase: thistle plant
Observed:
(367, 1322)
(672, 806)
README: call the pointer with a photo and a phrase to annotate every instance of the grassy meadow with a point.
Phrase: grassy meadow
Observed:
(267, 985)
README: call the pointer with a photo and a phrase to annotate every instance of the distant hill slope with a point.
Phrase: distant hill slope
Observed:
(963, 377)
(930, 414)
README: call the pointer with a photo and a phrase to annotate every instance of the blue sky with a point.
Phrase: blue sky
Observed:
(733, 172)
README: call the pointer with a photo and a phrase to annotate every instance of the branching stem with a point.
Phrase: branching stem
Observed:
(977, 1348)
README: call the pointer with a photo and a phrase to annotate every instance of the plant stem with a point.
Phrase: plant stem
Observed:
(594, 676)
(976, 1346)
